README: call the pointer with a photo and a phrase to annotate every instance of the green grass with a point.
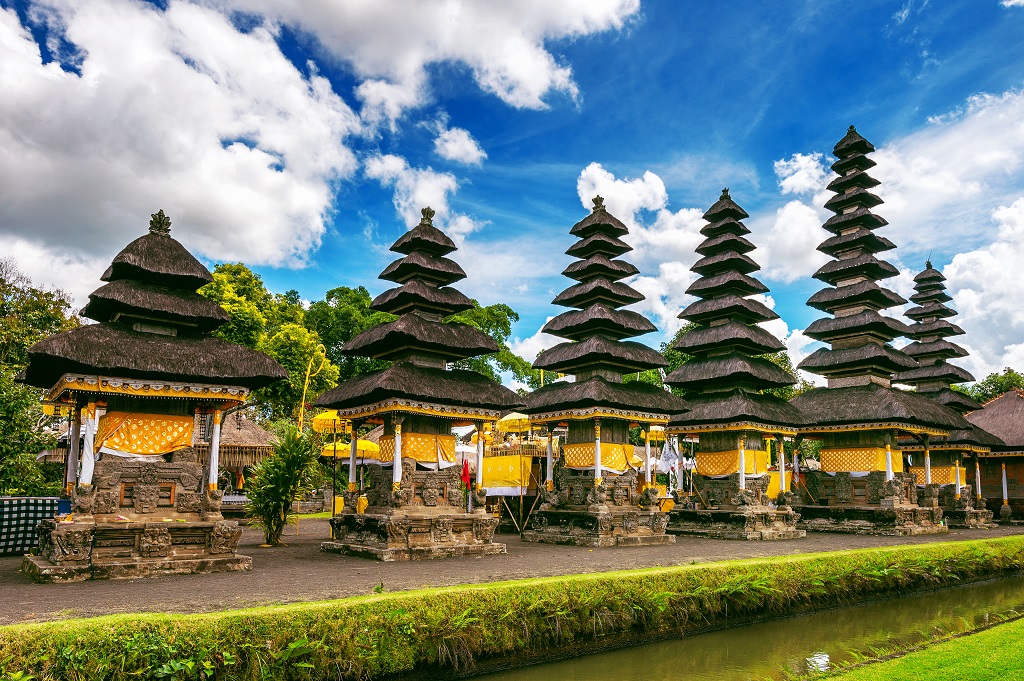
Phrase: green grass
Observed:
(455, 628)
(996, 653)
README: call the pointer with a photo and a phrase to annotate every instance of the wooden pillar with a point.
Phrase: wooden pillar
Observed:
(396, 471)
(74, 434)
(781, 451)
(977, 479)
(741, 445)
(956, 476)
(888, 460)
(353, 452)
(214, 451)
(647, 456)
(597, 452)
(549, 480)
(927, 466)
(1006, 495)
(88, 449)
(480, 454)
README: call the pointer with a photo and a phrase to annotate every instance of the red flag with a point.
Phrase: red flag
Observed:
(465, 472)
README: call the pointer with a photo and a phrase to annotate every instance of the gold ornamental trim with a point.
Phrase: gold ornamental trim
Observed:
(423, 408)
(63, 391)
(860, 427)
(598, 412)
(766, 429)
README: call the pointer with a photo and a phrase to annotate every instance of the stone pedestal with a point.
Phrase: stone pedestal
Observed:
(139, 520)
(424, 519)
(615, 514)
(865, 505)
(961, 513)
(723, 511)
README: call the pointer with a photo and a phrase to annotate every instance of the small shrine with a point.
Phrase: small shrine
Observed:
(940, 463)
(599, 493)
(412, 504)
(730, 411)
(862, 486)
(142, 501)
(1002, 469)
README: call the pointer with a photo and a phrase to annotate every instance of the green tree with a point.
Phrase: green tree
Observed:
(496, 321)
(277, 481)
(255, 312)
(994, 385)
(343, 314)
(28, 314)
(293, 346)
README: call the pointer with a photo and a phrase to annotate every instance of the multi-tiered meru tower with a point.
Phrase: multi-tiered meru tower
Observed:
(599, 493)
(726, 381)
(417, 508)
(861, 486)
(939, 463)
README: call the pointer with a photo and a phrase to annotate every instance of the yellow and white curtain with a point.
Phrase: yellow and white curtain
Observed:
(941, 475)
(728, 462)
(614, 457)
(123, 433)
(438, 450)
(507, 475)
(859, 459)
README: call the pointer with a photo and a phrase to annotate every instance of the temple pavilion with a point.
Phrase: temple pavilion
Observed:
(726, 382)
(415, 506)
(940, 463)
(599, 493)
(861, 486)
(142, 501)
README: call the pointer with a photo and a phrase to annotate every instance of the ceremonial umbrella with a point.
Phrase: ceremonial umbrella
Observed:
(514, 422)
(329, 422)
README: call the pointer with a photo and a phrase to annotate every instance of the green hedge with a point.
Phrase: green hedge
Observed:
(448, 631)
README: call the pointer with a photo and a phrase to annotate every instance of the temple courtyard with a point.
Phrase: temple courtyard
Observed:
(301, 572)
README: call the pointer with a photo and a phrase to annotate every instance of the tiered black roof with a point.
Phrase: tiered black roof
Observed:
(931, 349)
(860, 355)
(152, 324)
(728, 372)
(419, 343)
(595, 351)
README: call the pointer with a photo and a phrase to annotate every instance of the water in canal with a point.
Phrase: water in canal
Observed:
(798, 644)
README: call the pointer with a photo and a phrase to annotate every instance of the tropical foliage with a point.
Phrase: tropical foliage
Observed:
(277, 481)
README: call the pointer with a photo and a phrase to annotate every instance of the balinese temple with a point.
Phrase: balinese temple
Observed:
(729, 412)
(599, 493)
(1002, 469)
(414, 503)
(941, 464)
(861, 486)
(142, 501)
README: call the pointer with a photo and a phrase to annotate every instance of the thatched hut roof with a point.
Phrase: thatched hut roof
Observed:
(138, 299)
(861, 358)
(736, 407)
(873, 404)
(412, 334)
(158, 259)
(424, 238)
(865, 264)
(725, 242)
(414, 295)
(726, 282)
(867, 323)
(598, 243)
(750, 339)
(434, 269)
(860, 238)
(243, 442)
(598, 319)
(598, 351)
(600, 266)
(862, 293)
(734, 369)
(599, 392)
(598, 290)
(1004, 418)
(600, 221)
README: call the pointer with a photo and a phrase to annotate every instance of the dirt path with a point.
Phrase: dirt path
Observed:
(300, 572)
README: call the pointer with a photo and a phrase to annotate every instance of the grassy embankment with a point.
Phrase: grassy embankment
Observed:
(443, 632)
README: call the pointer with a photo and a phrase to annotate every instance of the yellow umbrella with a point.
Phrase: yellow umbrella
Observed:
(329, 422)
(514, 423)
(657, 433)
(364, 449)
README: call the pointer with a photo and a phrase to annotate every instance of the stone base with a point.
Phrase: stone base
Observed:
(747, 522)
(598, 525)
(41, 570)
(390, 535)
(899, 520)
(968, 518)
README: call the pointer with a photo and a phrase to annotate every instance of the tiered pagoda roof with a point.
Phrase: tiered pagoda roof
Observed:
(594, 351)
(152, 325)
(418, 342)
(930, 348)
(728, 372)
(860, 361)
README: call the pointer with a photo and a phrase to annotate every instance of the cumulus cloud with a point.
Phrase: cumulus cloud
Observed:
(391, 43)
(415, 188)
(171, 109)
(456, 144)
(1012, 3)
(528, 348)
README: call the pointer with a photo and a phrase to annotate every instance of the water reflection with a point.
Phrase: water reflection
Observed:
(798, 644)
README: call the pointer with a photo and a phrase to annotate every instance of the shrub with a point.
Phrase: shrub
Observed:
(277, 481)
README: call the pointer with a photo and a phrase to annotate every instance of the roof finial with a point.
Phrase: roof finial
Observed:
(160, 224)
(598, 204)
(928, 261)
(851, 130)
(428, 216)
(725, 195)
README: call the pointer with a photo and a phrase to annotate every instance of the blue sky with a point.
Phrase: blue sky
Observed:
(302, 139)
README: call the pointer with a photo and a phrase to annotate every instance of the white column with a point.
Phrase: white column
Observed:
(74, 434)
(781, 451)
(480, 454)
(550, 479)
(927, 466)
(956, 474)
(597, 452)
(353, 451)
(743, 462)
(888, 462)
(1006, 495)
(88, 450)
(647, 457)
(396, 471)
(977, 478)
(215, 450)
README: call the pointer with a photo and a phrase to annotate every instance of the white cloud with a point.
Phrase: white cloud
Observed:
(1012, 3)
(456, 144)
(390, 43)
(172, 109)
(415, 188)
(528, 348)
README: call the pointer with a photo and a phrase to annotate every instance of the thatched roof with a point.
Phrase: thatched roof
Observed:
(434, 269)
(869, 323)
(940, 371)
(724, 209)
(852, 143)
(456, 387)
(598, 392)
(158, 259)
(415, 295)
(855, 162)
(865, 264)
(939, 327)
(861, 238)
(148, 301)
(242, 442)
(113, 350)
(937, 348)
(932, 310)
(853, 197)
(599, 290)
(728, 306)
(598, 351)
(598, 319)
(412, 334)
(424, 238)
(974, 437)
(599, 243)
(869, 356)
(1004, 418)
(729, 225)
(737, 407)
(600, 266)
(726, 282)
(730, 370)
(858, 178)
(862, 217)
(726, 241)
(862, 293)
(749, 339)
(955, 400)
(720, 260)
(874, 404)
(600, 221)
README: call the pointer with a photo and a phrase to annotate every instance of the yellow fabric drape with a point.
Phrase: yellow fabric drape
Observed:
(728, 462)
(144, 434)
(507, 471)
(941, 475)
(851, 459)
(616, 457)
(419, 447)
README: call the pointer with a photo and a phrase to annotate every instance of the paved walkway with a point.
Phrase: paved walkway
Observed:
(300, 572)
